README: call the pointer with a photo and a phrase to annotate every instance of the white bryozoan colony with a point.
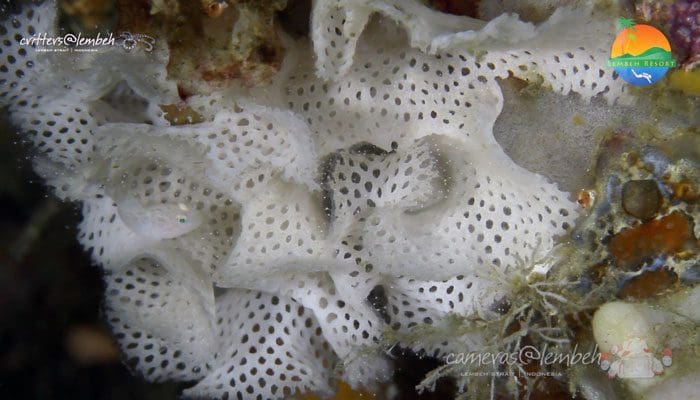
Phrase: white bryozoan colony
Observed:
(240, 251)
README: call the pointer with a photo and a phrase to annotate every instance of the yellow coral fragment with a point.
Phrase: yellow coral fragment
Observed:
(686, 81)
(345, 392)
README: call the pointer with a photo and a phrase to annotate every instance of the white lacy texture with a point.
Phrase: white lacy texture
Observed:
(240, 251)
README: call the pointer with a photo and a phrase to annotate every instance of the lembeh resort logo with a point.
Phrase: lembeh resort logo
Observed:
(640, 54)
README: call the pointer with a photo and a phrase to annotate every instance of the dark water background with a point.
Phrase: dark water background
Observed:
(50, 295)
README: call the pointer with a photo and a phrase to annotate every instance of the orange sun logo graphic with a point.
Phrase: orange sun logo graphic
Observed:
(640, 54)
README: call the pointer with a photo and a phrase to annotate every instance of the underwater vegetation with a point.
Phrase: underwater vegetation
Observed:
(276, 211)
